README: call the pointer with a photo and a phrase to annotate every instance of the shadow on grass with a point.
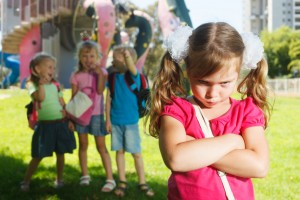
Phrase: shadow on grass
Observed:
(12, 171)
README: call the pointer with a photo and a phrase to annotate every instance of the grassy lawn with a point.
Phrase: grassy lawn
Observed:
(282, 182)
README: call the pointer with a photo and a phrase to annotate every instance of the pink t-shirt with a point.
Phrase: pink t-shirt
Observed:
(83, 80)
(204, 183)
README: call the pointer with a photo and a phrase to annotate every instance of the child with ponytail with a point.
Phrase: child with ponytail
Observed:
(53, 132)
(236, 148)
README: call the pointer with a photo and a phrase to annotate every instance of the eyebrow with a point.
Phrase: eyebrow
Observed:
(227, 79)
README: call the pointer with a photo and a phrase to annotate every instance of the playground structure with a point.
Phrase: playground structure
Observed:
(55, 27)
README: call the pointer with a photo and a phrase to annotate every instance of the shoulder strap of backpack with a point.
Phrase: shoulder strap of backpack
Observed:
(57, 85)
(129, 81)
(144, 82)
(111, 83)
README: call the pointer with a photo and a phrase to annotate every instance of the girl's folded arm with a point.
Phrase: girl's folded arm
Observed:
(181, 155)
(253, 162)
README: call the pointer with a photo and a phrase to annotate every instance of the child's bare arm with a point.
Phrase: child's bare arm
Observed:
(63, 104)
(74, 89)
(108, 125)
(252, 162)
(39, 94)
(182, 155)
(102, 76)
(129, 62)
(62, 101)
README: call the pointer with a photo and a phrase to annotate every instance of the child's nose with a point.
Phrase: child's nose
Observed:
(89, 59)
(212, 92)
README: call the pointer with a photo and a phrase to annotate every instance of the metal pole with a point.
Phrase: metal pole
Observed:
(2, 30)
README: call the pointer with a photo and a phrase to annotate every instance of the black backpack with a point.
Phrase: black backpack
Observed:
(142, 94)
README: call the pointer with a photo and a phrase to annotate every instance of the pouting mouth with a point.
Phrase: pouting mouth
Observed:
(213, 100)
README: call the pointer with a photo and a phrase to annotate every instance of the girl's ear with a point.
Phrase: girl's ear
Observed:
(35, 70)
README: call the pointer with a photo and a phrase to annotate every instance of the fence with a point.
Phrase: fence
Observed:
(285, 86)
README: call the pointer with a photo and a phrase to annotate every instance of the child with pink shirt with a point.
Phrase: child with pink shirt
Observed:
(91, 75)
(217, 165)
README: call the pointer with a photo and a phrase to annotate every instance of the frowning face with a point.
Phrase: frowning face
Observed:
(214, 90)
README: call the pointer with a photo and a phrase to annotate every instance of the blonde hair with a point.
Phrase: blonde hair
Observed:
(131, 50)
(211, 45)
(36, 60)
(88, 45)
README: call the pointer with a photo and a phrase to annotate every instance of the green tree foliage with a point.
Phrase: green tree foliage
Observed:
(294, 52)
(282, 49)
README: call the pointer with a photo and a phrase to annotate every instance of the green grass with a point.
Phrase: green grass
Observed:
(282, 182)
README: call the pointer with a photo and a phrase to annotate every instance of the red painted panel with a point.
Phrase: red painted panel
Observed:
(30, 45)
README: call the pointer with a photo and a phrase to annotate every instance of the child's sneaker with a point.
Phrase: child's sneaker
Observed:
(85, 180)
(58, 184)
(24, 186)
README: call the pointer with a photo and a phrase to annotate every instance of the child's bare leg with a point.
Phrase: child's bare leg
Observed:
(60, 163)
(122, 185)
(82, 153)
(139, 166)
(105, 157)
(110, 183)
(33, 164)
(120, 159)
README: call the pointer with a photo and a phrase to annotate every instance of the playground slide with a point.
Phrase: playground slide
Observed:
(19, 63)
(12, 62)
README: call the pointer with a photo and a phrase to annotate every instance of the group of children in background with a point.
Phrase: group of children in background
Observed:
(214, 54)
(54, 132)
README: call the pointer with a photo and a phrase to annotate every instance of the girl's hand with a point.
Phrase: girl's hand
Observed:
(104, 72)
(108, 126)
(94, 67)
(64, 113)
(71, 126)
(126, 53)
(101, 71)
(44, 80)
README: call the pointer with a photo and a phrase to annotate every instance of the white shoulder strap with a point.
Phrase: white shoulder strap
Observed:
(204, 123)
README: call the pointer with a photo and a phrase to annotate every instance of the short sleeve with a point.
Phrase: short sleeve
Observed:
(179, 109)
(31, 88)
(253, 115)
(73, 79)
